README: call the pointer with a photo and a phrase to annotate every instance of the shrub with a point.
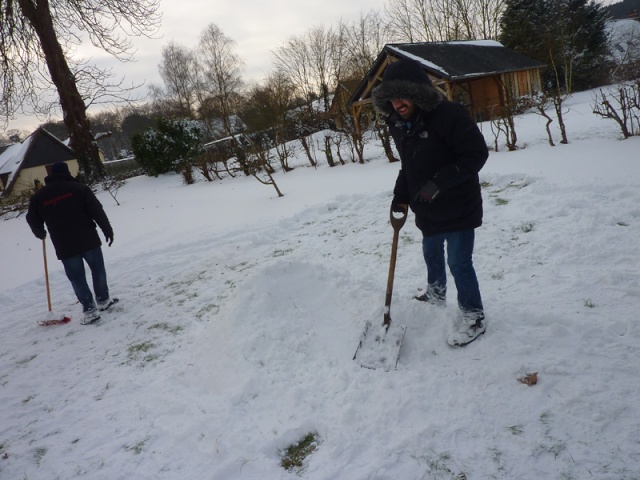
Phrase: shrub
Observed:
(167, 148)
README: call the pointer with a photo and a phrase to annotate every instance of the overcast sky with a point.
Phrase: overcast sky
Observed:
(257, 28)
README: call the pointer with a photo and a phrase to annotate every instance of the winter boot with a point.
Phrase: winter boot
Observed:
(434, 296)
(90, 316)
(473, 325)
(105, 305)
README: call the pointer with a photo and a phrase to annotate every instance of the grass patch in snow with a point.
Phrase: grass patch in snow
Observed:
(138, 447)
(39, 454)
(294, 455)
(440, 465)
(516, 429)
(139, 348)
(175, 329)
(211, 308)
(407, 239)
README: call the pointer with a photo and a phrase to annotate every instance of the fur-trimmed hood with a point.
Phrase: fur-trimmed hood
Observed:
(406, 79)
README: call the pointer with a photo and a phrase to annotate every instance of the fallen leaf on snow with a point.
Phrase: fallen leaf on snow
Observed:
(529, 379)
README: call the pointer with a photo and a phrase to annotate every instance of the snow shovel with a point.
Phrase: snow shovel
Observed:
(379, 347)
(51, 318)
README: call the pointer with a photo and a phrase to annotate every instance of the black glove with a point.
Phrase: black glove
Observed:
(398, 207)
(428, 192)
(109, 238)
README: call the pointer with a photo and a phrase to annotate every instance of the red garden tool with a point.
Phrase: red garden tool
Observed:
(51, 318)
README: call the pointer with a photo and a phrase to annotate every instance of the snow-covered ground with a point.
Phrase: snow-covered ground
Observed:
(240, 313)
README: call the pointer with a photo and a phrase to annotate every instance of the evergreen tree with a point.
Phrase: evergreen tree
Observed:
(169, 147)
(568, 35)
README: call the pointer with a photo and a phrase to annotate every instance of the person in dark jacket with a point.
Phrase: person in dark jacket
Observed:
(70, 211)
(441, 151)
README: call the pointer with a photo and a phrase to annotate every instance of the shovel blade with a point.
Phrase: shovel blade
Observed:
(54, 321)
(53, 318)
(379, 347)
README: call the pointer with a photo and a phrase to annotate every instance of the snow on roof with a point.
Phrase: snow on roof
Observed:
(464, 59)
(12, 157)
(479, 43)
(424, 62)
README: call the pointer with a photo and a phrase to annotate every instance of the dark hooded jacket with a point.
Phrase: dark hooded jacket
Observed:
(442, 144)
(70, 211)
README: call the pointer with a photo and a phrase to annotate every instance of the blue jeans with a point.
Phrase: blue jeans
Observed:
(459, 258)
(74, 268)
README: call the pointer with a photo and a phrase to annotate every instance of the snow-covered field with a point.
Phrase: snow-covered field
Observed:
(240, 313)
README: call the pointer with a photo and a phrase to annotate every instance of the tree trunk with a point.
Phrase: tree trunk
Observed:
(327, 151)
(557, 102)
(307, 150)
(74, 112)
(385, 138)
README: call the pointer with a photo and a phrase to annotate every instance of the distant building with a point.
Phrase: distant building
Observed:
(480, 75)
(24, 165)
(215, 129)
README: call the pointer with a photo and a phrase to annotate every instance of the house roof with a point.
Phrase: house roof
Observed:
(451, 61)
(458, 60)
(39, 148)
(12, 157)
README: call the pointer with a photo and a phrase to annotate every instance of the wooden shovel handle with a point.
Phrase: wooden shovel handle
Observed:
(46, 272)
(396, 223)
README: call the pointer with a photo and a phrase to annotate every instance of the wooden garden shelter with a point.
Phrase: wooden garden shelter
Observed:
(481, 75)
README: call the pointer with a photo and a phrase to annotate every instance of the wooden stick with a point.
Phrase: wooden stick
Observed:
(46, 272)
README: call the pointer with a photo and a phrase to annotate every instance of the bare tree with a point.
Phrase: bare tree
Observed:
(36, 39)
(221, 73)
(179, 72)
(323, 47)
(293, 60)
(112, 184)
(408, 20)
(487, 16)
(259, 165)
(540, 103)
(267, 109)
(364, 40)
(621, 104)
(444, 20)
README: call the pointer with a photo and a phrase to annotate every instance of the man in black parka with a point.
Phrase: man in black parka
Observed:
(70, 211)
(441, 151)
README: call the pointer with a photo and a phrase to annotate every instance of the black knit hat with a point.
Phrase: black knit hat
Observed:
(60, 168)
(407, 70)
